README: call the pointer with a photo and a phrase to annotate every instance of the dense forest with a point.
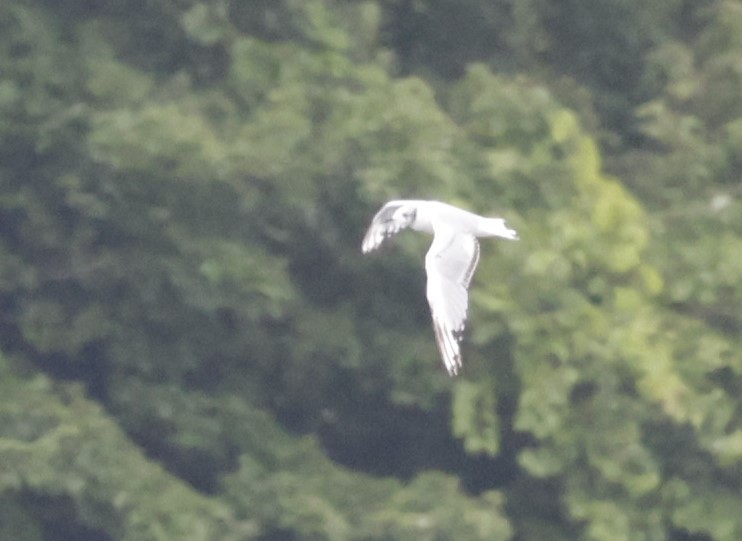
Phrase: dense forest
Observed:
(193, 348)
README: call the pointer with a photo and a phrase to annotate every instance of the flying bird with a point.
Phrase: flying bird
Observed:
(449, 263)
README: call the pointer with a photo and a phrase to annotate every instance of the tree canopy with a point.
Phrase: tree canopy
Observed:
(192, 346)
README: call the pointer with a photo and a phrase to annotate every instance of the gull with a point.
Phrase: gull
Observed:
(449, 263)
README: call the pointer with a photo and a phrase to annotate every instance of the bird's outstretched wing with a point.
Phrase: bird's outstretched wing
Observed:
(450, 264)
(390, 220)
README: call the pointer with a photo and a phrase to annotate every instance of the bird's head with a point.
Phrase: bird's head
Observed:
(405, 215)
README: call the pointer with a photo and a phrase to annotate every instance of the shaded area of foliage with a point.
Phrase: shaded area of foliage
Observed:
(193, 348)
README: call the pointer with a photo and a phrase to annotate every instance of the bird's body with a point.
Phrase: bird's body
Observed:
(449, 263)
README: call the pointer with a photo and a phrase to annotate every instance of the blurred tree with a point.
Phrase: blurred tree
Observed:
(194, 348)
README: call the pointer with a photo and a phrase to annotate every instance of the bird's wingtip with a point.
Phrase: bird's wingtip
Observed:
(453, 364)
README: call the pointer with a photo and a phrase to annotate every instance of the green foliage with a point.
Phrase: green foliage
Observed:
(56, 442)
(193, 347)
(475, 421)
(298, 490)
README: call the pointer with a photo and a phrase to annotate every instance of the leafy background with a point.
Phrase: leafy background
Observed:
(192, 347)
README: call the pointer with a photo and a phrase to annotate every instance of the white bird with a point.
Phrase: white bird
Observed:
(449, 263)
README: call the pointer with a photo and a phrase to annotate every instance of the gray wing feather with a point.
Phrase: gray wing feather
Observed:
(450, 264)
(383, 226)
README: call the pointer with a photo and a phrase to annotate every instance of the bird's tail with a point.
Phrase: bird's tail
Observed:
(497, 227)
